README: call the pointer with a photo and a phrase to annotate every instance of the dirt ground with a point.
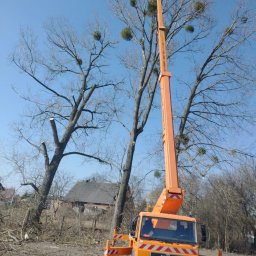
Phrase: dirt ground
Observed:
(53, 249)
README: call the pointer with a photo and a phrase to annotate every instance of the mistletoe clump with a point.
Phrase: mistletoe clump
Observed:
(152, 7)
(97, 35)
(126, 34)
(199, 7)
(190, 28)
(201, 151)
(157, 173)
(133, 3)
(215, 159)
(79, 62)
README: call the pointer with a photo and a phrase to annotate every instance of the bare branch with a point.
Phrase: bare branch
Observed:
(86, 155)
(32, 185)
(41, 83)
(21, 134)
(46, 157)
(55, 132)
(84, 127)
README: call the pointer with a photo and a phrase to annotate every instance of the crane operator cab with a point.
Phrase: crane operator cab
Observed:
(164, 234)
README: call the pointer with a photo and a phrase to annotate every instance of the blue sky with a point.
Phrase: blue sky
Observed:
(16, 14)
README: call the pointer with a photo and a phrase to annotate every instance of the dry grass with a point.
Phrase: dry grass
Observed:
(65, 227)
(65, 233)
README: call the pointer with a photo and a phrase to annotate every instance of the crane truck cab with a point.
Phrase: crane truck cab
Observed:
(160, 234)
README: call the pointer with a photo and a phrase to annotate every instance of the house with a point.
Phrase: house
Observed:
(6, 195)
(91, 195)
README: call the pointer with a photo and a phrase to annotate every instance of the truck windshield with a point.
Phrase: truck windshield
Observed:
(168, 230)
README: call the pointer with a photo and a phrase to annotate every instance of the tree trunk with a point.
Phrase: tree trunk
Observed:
(44, 191)
(226, 242)
(46, 185)
(121, 198)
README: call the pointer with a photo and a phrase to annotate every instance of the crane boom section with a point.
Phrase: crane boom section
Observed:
(167, 117)
(172, 196)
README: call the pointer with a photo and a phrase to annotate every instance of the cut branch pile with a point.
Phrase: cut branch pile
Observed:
(8, 238)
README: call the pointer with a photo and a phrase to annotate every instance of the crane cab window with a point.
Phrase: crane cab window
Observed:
(168, 230)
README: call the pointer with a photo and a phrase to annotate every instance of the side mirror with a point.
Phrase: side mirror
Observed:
(203, 233)
(133, 227)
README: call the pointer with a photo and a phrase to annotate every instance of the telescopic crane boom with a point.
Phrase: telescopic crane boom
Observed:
(171, 198)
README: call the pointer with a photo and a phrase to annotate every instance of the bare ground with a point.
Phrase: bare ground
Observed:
(53, 249)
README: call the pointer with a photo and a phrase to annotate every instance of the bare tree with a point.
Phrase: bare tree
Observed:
(72, 93)
(226, 205)
(216, 98)
(140, 24)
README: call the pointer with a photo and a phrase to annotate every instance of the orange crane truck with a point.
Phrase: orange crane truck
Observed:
(162, 232)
